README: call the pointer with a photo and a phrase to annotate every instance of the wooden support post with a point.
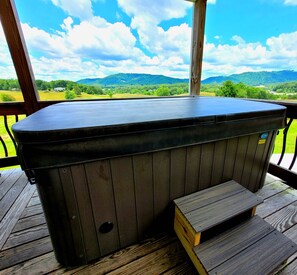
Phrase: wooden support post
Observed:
(197, 45)
(18, 50)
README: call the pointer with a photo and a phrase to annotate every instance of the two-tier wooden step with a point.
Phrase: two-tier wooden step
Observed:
(220, 233)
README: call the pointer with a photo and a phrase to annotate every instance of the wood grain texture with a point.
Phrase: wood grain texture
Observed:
(161, 178)
(73, 216)
(11, 195)
(177, 173)
(221, 211)
(207, 196)
(218, 162)
(272, 189)
(206, 164)
(228, 244)
(144, 192)
(7, 181)
(87, 224)
(124, 194)
(32, 210)
(103, 203)
(192, 168)
(27, 235)
(230, 157)
(285, 218)
(260, 258)
(197, 46)
(24, 252)
(9, 221)
(249, 160)
(28, 222)
(275, 203)
(241, 152)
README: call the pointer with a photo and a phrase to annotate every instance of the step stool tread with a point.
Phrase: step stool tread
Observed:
(207, 196)
(227, 244)
(267, 249)
(204, 214)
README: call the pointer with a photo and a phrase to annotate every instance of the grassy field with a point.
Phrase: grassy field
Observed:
(61, 96)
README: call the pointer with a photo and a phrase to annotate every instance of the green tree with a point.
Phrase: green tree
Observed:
(228, 89)
(69, 95)
(162, 91)
(77, 90)
(7, 98)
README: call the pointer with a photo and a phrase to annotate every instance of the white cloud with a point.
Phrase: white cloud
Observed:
(6, 65)
(278, 53)
(154, 10)
(146, 17)
(81, 9)
(291, 2)
(211, 2)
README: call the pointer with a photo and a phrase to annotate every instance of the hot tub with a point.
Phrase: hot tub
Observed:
(107, 171)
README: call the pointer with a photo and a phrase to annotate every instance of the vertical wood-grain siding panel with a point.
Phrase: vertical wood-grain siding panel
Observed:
(206, 164)
(85, 211)
(230, 157)
(56, 213)
(249, 160)
(73, 213)
(263, 165)
(144, 192)
(240, 157)
(161, 178)
(178, 173)
(218, 162)
(192, 168)
(103, 206)
(124, 192)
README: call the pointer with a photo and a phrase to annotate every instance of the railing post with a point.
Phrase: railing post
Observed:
(197, 45)
(18, 50)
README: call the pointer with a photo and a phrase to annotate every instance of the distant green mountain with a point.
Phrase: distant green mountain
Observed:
(255, 78)
(132, 79)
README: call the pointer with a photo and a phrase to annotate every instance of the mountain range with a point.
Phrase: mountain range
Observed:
(255, 78)
(132, 79)
(249, 78)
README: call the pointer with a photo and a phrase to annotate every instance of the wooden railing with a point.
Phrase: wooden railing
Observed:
(277, 169)
(11, 112)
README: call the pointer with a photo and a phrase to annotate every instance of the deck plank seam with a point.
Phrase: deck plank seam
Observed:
(12, 216)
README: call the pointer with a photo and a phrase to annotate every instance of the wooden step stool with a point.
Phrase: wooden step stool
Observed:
(220, 233)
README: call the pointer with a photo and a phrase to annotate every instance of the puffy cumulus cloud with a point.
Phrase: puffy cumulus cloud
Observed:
(278, 53)
(40, 41)
(146, 18)
(153, 11)
(70, 68)
(93, 39)
(6, 65)
(291, 2)
(110, 41)
(283, 47)
(81, 9)
(173, 42)
(211, 2)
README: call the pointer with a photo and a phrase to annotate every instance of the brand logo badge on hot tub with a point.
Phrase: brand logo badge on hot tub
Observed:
(263, 137)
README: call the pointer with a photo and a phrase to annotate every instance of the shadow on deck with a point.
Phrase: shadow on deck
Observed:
(25, 246)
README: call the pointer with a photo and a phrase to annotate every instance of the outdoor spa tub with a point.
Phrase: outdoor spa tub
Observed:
(107, 171)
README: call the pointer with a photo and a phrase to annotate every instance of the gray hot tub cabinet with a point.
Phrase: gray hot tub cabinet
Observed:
(107, 171)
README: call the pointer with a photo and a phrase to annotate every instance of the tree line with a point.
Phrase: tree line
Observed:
(72, 89)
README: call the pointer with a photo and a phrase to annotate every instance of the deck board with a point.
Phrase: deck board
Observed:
(25, 246)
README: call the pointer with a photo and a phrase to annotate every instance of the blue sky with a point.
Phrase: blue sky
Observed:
(75, 39)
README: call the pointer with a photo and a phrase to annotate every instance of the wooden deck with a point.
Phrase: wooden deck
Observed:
(25, 246)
